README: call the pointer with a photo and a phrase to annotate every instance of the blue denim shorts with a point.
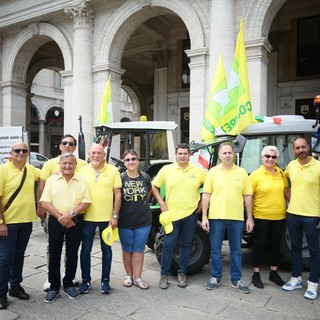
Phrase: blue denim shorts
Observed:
(134, 240)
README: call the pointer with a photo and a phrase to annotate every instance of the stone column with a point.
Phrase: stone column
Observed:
(222, 35)
(160, 59)
(82, 101)
(198, 99)
(13, 104)
(257, 60)
(28, 114)
(42, 149)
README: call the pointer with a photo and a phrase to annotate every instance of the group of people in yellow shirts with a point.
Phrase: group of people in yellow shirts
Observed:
(81, 197)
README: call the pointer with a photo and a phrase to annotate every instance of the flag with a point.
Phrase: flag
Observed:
(214, 111)
(238, 109)
(105, 115)
(204, 158)
(275, 119)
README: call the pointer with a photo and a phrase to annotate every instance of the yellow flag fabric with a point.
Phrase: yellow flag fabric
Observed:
(105, 115)
(214, 112)
(238, 109)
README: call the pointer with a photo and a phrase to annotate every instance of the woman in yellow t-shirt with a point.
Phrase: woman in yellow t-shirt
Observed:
(269, 211)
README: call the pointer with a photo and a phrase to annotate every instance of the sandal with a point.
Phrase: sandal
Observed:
(141, 284)
(127, 282)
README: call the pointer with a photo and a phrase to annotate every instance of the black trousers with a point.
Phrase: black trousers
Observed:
(72, 237)
(267, 230)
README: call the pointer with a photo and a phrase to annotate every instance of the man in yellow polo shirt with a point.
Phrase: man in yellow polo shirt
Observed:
(304, 215)
(68, 143)
(182, 180)
(226, 188)
(64, 197)
(105, 190)
(15, 220)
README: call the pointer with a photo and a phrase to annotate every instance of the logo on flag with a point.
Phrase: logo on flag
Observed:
(237, 112)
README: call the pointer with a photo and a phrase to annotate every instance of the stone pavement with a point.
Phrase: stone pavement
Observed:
(193, 302)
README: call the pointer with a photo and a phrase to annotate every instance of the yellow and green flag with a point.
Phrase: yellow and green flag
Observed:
(214, 112)
(105, 115)
(237, 112)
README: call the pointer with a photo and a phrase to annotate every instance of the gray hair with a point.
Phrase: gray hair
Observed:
(68, 155)
(267, 149)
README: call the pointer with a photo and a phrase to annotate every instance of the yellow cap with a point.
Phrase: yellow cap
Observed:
(110, 235)
(165, 220)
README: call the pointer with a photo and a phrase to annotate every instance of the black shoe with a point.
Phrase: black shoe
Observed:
(3, 301)
(256, 280)
(274, 277)
(19, 293)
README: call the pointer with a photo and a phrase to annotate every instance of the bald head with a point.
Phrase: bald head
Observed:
(19, 145)
(19, 153)
(97, 156)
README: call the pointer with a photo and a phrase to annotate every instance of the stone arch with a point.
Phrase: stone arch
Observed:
(37, 108)
(129, 16)
(51, 63)
(26, 44)
(259, 15)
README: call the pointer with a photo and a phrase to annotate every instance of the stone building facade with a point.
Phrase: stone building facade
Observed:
(146, 46)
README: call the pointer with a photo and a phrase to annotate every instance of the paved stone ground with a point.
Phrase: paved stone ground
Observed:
(193, 302)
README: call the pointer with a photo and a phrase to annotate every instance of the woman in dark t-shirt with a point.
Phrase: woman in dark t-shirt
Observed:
(134, 219)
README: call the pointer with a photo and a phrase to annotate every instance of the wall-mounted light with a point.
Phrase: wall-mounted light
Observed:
(56, 113)
(185, 78)
(185, 73)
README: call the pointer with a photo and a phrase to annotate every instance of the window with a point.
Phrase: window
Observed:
(308, 47)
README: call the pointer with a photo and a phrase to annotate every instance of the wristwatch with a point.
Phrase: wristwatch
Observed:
(1, 221)
(115, 216)
(73, 214)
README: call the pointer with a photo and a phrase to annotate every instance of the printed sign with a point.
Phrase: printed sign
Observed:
(9, 135)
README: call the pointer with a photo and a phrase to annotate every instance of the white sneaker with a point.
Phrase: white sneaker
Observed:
(46, 286)
(292, 284)
(312, 291)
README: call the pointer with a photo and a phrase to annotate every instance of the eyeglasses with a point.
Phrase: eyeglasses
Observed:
(130, 159)
(70, 143)
(270, 156)
(17, 151)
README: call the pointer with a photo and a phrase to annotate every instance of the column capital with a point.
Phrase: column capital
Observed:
(103, 71)
(82, 14)
(258, 49)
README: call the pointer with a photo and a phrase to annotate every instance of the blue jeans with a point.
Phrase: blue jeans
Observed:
(12, 249)
(184, 230)
(88, 233)
(217, 231)
(296, 225)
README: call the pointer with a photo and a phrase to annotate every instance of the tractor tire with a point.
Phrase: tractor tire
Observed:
(200, 251)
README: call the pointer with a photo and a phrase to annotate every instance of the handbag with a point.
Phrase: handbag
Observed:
(8, 204)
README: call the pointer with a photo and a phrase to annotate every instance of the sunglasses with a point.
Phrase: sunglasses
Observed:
(17, 151)
(71, 144)
(268, 156)
(130, 159)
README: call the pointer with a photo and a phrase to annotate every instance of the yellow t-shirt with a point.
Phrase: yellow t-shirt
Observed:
(268, 194)
(101, 186)
(305, 188)
(23, 207)
(52, 166)
(182, 188)
(65, 196)
(227, 188)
